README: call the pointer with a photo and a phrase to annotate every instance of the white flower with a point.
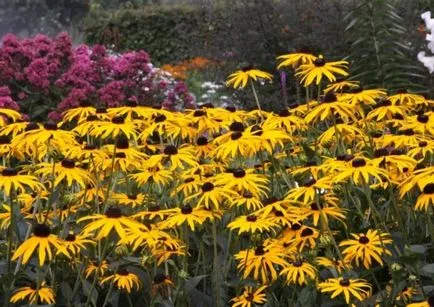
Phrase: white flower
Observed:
(429, 22)
(428, 61)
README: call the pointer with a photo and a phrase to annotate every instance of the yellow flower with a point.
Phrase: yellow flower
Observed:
(361, 96)
(340, 85)
(186, 215)
(42, 240)
(181, 158)
(320, 68)
(349, 287)
(295, 59)
(252, 224)
(365, 247)
(118, 126)
(96, 267)
(241, 77)
(112, 219)
(211, 195)
(334, 263)
(299, 272)
(331, 107)
(250, 297)
(11, 181)
(34, 295)
(74, 243)
(124, 280)
(80, 113)
(66, 171)
(240, 179)
(309, 189)
(360, 170)
(262, 261)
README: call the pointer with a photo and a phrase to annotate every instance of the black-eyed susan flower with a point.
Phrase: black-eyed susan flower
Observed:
(66, 171)
(43, 241)
(347, 133)
(252, 224)
(426, 199)
(348, 287)
(298, 272)
(330, 106)
(366, 247)
(131, 110)
(131, 199)
(112, 219)
(124, 280)
(34, 295)
(241, 77)
(240, 179)
(80, 113)
(250, 297)
(262, 261)
(310, 189)
(174, 158)
(304, 237)
(245, 199)
(157, 175)
(403, 97)
(361, 96)
(211, 195)
(284, 119)
(186, 215)
(341, 85)
(96, 267)
(384, 109)
(295, 59)
(74, 243)
(11, 181)
(161, 284)
(421, 150)
(323, 210)
(360, 170)
(334, 263)
(320, 68)
(232, 145)
(118, 126)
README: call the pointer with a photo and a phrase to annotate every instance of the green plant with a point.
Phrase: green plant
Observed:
(380, 49)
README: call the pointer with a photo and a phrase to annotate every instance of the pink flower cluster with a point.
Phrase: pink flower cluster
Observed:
(53, 75)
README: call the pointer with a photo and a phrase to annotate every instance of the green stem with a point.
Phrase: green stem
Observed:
(257, 100)
(216, 268)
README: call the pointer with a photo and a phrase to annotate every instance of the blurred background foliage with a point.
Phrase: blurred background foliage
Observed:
(378, 37)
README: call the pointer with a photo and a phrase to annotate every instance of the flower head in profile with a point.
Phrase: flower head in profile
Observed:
(124, 280)
(250, 297)
(241, 77)
(43, 241)
(295, 59)
(34, 295)
(319, 69)
(348, 287)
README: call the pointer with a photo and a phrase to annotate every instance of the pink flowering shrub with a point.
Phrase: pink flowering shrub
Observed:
(45, 77)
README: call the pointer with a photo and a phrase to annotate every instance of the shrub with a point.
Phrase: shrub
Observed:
(46, 75)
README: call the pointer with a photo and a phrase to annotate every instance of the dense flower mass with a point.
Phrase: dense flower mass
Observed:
(40, 73)
(329, 201)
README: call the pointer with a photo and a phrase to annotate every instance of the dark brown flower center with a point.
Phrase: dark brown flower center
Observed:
(202, 141)
(251, 218)
(278, 213)
(9, 172)
(131, 103)
(344, 282)
(41, 230)
(319, 62)
(170, 150)
(306, 232)
(159, 278)
(431, 300)
(31, 126)
(68, 163)
(297, 263)
(247, 194)
(132, 196)
(160, 118)
(119, 120)
(122, 143)
(239, 173)
(4, 139)
(329, 98)
(101, 110)
(237, 126)
(85, 103)
(236, 135)
(89, 147)
(187, 209)
(207, 186)
(231, 109)
(259, 251)
(429, 188)
(50, 125)
(257, 130)
(199, 113)
(381, 152)
(123, 272)
(91, 118)
(310, 182)
(314, 206)
(154, 208)
(284, 113)
(357, 90)
(296, 226)
(247, 68)
(359, 162)
(70, 237)
(422, 118)
(113, 213)
(423, 144)
(363, 240)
